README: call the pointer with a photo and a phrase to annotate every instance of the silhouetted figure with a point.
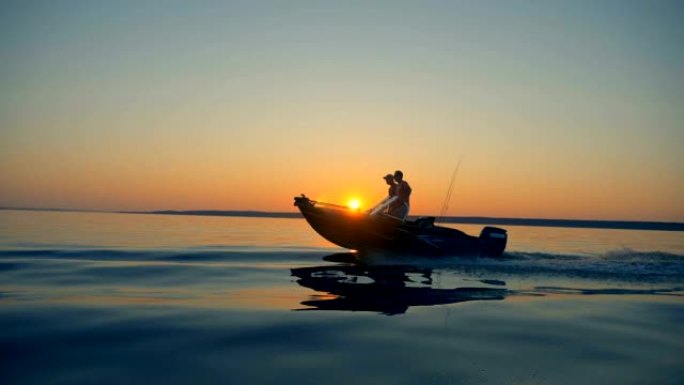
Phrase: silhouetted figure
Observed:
(389, 179)
(400, 207)
(392, 191)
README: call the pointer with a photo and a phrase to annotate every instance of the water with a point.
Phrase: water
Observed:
(124, 298)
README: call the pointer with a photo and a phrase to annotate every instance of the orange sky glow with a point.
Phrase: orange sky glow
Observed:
(572, 113)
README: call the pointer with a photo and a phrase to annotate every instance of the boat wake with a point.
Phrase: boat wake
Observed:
(617, 265)
(623, 265)
(379, 282)
(390, 285)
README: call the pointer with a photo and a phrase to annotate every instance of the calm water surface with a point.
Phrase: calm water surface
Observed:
(124, 298)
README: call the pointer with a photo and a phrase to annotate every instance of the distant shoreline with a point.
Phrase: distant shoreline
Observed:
(537, 222)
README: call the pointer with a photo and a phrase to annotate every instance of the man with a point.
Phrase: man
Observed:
(400, 208)
(392, 191)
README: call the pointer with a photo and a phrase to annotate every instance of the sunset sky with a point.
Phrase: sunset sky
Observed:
(558, 109)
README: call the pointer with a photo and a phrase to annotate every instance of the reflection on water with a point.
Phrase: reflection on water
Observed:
(179, 300)
(388, 290)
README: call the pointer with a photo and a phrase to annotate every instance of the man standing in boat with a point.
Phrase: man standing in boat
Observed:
(400, 207)
(392, 191)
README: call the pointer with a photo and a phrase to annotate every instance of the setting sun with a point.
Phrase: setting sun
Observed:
(354, 204)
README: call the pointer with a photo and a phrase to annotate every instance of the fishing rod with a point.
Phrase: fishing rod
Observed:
(447, 199)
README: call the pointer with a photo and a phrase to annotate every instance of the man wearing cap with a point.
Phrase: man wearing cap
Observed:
(389, 179)
(391, 192)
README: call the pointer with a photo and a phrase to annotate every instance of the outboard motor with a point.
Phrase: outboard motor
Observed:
(493, 241)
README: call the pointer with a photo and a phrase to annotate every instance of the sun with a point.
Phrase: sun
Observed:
(354, 204)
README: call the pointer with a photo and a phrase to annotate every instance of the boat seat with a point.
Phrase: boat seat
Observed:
(425, 222)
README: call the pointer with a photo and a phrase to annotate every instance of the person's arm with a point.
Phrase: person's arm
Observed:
(382, 205)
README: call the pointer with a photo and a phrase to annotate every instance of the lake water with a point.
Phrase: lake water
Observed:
(129, 298)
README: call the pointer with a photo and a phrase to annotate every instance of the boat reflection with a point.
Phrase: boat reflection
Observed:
(388, 290)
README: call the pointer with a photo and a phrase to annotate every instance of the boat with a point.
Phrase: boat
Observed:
(373, 230)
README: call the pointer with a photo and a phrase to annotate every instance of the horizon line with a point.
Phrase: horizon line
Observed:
(540, 222)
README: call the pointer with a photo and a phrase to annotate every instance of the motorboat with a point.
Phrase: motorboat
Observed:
(374, 230)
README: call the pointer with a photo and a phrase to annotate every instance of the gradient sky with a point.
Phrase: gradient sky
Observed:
(559, 109)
